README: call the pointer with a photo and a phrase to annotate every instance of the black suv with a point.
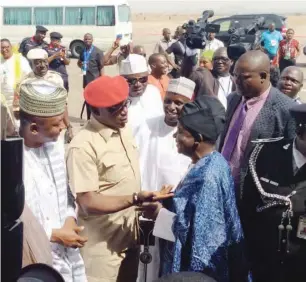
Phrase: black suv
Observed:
(245, 20)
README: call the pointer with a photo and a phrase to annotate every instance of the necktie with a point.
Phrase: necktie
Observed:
(230, 144)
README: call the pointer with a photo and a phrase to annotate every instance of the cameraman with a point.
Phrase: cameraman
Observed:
(212, 45)
(178, 49)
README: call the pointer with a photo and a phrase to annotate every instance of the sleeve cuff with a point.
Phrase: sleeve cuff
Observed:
(49, 232)
(71, 212)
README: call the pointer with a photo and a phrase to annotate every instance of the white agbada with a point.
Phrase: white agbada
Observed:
(163, 164)
(46, 194)
(149, 105)
(141, 111)
(45, 178)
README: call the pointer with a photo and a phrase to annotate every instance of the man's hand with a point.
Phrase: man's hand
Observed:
(68, 235)
(176, 67)
(57, 54)
(115, 45)
(68, 134)
(150, 210)
(164, 193)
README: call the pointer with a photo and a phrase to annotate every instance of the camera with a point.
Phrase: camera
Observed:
(244, 39)
(196, 32)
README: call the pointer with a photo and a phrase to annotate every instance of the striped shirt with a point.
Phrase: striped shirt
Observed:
(47, 196)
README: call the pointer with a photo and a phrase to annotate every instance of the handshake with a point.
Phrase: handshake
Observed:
(149, 204)
(146, 196)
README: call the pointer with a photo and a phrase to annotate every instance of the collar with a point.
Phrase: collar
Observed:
(165, 41)
(251, 102)
(299, 158)
(87, 49)
(51, 46)
(105, 131)
(297, 99)
(33, 39)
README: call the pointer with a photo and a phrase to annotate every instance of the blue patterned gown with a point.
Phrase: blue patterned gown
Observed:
(207, 227)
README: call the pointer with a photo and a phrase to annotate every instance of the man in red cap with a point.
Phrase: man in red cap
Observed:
(103, 171)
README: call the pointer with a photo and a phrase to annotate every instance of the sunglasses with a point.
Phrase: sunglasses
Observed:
(117, 108)
(133, 81)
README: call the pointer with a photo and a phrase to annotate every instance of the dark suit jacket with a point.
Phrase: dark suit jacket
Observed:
(275, 170)
(274, 120)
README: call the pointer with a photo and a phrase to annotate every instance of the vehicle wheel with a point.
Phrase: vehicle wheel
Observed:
(76, 48)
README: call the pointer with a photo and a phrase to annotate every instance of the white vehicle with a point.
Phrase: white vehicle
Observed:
(104, 19)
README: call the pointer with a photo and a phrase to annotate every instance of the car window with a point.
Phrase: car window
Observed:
(244, 22)
(224, 24)
(269, 20)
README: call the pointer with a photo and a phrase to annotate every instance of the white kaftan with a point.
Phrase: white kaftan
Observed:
(141, 110)
(47, 196)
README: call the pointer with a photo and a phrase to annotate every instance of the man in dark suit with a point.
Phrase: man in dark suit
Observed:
(91, 62)
(273, 207)
(255, 110)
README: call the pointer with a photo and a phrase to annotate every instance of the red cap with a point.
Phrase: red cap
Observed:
(106, 91)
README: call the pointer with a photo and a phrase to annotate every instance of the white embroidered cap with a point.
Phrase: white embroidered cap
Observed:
(182, 86)
(37, 54)
(124, 41)
(133, 64)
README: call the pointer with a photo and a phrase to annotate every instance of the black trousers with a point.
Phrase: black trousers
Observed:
(286, 63)
(88, 111)
(86, 80)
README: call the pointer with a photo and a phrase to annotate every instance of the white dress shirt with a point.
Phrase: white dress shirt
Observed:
(298, 158)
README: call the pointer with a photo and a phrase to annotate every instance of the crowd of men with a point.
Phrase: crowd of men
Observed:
(210, 151)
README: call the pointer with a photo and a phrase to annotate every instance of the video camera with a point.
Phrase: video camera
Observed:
(244, 39)
(196, 32)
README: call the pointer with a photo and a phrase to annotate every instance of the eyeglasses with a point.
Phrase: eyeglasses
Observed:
(222, 59)
(117, 108)
(133, 81)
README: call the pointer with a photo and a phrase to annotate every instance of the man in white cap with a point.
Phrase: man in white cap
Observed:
(47, 194)
(164, 165)
(145, 104)
(40, 65)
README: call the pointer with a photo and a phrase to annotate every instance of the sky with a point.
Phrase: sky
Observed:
(224, 7)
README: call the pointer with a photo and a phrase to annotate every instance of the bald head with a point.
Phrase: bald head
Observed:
(222, 51)
(255, 60)
(252, 74)
(139, 50)
(291, 81)
(167, 34)
(179, 32)
(272, 27)
(154, 58)
(158, 65)
(295, 71)
(221, 62)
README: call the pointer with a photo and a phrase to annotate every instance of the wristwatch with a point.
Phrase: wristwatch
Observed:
(136, 201)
